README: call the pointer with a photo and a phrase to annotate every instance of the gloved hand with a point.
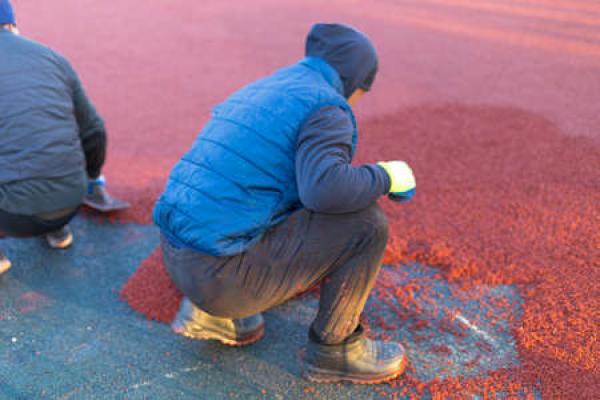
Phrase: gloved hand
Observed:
(403, 184)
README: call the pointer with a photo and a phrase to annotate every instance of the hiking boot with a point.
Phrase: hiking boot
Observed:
(197, 324)
(4, 263)
(356, 360)
(60, 239)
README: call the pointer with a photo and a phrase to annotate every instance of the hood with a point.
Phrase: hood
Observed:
(348, 51)
(7, 15)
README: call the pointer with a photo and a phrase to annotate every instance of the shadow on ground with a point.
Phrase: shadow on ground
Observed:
(65, 334)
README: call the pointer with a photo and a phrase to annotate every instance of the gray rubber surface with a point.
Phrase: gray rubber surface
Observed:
(64, 333)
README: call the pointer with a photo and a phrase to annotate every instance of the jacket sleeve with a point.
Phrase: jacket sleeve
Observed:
(327, 183)
(92, 132)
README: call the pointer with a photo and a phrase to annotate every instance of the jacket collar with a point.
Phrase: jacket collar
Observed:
(328, 72)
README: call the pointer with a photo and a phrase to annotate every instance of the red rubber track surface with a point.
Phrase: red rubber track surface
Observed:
(495, 104)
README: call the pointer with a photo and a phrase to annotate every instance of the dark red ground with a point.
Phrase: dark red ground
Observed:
(495, 104)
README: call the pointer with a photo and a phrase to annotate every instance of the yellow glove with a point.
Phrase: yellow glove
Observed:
(401, 176)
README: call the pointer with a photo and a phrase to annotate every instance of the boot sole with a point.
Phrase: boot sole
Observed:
(211, 335)
(327, 376)
(4, 266)
(61, 245)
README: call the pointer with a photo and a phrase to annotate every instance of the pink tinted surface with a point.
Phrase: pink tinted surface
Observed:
(496, 104)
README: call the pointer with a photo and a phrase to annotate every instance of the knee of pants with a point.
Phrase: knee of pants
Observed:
(377, 225)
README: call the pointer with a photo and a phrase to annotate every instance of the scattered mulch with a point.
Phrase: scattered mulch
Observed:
(504, 198)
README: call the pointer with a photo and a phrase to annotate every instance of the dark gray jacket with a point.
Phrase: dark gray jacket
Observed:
(50, 133)
(327, 182)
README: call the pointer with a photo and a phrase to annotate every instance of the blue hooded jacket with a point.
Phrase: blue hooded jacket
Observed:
(240, 177)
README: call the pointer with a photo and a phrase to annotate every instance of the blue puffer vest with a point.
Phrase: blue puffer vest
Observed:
(239, 179)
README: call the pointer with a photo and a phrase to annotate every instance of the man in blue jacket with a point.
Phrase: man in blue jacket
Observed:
(266, 204)
(52, 141)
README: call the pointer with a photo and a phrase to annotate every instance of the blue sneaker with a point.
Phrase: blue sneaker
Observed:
(99, 199)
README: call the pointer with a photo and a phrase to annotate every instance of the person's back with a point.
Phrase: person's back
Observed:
(52, 142)
(40, 148)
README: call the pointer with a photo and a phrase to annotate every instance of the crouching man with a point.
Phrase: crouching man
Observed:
(52, 141)
(266, 204)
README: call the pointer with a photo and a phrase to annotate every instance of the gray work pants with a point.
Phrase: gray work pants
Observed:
(343, 251)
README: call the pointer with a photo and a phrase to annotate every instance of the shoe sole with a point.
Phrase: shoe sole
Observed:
(334, 377)
(5, 266)
(65, 243)
(208, 335)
